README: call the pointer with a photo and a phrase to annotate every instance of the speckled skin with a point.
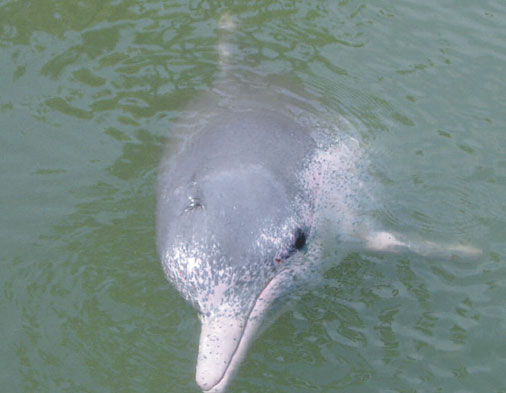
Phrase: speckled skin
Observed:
(231, 203)
(249, 195)
(235, 208)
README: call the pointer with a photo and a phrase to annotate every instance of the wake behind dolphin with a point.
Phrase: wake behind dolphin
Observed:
(248, 198)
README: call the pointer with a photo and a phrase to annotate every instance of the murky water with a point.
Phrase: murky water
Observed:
(89, 91)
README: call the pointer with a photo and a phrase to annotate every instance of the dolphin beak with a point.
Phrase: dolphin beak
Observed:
(220, 339)
(225, 339)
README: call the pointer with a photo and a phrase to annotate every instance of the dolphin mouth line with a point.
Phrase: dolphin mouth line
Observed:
(247, 324)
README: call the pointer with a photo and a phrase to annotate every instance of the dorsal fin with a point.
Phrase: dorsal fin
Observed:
(227, 26)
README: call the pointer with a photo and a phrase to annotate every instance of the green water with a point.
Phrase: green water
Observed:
(89, 90)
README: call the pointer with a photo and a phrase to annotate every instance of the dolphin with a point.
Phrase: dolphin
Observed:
(249, 192)
(234, 216)
(248, 196)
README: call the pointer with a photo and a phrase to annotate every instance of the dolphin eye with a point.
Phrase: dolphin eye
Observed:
(299, 244)
(300, 239)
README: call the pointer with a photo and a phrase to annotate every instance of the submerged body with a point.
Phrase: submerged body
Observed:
(250, 195)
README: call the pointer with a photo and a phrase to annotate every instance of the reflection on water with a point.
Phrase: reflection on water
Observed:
(90, 90)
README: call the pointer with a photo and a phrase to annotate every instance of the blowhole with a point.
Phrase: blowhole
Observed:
(193, 203)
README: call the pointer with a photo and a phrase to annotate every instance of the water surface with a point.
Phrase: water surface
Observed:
(89, 92)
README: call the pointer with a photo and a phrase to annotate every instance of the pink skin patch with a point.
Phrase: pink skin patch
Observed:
(220, 357)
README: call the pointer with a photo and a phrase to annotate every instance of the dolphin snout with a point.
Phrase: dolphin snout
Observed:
(225, 338)
(219, 339)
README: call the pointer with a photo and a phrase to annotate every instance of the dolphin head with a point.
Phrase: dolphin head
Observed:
(228, 242)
